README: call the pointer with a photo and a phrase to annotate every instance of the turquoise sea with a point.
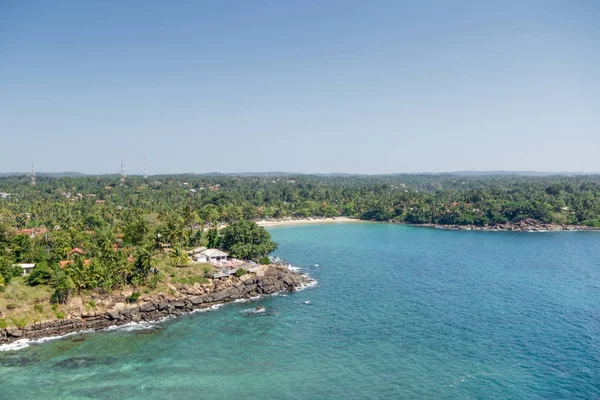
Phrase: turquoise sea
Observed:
(398, 312)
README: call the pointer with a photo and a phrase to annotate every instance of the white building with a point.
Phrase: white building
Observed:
(27, 268)
(195, 253)
(210, 256)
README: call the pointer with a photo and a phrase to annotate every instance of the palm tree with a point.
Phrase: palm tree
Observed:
(145, 264)
(178, 257)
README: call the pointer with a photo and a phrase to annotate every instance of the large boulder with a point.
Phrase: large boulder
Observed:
(147, 307)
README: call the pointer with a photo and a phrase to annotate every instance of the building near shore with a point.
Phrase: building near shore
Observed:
(210, 256)
(196, 253)
(27, 268)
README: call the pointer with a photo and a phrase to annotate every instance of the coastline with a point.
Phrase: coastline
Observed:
(151, 308)
(302, 221)
(526, 225)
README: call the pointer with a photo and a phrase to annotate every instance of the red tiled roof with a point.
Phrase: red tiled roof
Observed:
(76, 250)
(63, 263)
(32, 231)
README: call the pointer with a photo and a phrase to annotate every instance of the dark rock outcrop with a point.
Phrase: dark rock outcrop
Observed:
(275, 279)
(525, 225)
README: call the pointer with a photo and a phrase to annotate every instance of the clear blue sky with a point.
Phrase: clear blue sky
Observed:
(301, 86)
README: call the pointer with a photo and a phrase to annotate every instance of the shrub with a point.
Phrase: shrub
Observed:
(154, 281)
(133, 298)
(11, 306)
(38, 308)
(54, 307)
(60, 314)
(9, 270)
(240, 272)
(265, 261)
(92, 304)
(19, 322)
(41, 275)
(3, 323)
(206, 271)
(592, 222)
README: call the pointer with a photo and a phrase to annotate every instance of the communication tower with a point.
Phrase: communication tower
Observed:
(123, 173)
(145, 168)
(32, 174)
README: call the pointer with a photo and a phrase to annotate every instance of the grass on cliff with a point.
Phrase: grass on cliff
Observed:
(21, 304)
(189, 274)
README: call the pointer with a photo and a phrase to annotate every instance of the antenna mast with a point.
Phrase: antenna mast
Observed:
(123, 173)
(145, 168)
(32, 174)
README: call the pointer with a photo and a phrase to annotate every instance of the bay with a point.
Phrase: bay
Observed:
(398, 312)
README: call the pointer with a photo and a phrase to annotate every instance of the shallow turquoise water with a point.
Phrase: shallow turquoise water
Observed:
(398, 313)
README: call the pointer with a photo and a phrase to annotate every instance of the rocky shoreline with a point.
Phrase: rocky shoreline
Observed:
(180, 300)
(526, 225)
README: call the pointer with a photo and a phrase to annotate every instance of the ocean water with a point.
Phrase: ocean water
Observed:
(398, 312)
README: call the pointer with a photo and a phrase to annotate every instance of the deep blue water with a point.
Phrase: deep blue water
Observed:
(398, 312)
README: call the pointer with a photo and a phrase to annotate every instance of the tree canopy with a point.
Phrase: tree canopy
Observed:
(122, 228)
(247, 240)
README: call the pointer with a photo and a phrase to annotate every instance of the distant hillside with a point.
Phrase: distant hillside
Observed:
(281, 174)
(68, 174)
(518, 173)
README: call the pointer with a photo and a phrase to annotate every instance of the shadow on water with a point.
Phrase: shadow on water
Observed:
(14, 359)
(84, 362)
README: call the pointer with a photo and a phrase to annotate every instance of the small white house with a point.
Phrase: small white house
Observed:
(194, 254)
(210, 256)
(27, 268)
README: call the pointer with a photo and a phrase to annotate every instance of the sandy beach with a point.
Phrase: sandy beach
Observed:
(280, 222)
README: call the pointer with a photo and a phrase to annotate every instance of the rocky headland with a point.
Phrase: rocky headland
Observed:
(113, 310)
(526, 225)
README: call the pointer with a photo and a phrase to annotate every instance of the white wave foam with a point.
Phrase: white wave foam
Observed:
(308, 285)
(24, 343)
(137, 326)
(211, 308)
(254, 310)
(253, 298)
(16, 345)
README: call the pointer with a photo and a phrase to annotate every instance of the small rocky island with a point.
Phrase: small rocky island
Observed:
(114, 310)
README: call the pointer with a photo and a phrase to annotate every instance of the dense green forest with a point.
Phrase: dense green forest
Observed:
(92, 203)
(123, 227)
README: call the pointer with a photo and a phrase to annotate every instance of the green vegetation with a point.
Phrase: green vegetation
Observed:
(19, 322)
(246, 240)
(240, 272)
(133, 297)
(135, 237)
(190, 280)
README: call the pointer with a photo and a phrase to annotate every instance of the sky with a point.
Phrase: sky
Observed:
(299, 86)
